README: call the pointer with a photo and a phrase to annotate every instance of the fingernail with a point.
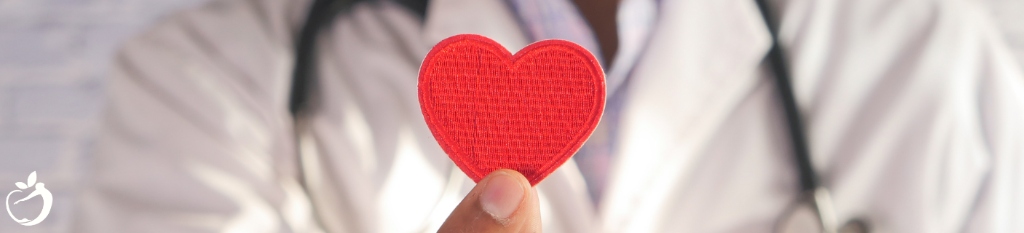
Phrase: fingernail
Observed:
(501, 196)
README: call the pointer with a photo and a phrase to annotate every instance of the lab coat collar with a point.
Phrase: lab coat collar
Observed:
(491, 18)
(703, 60)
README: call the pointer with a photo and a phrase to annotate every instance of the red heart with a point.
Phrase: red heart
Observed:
(491, 110)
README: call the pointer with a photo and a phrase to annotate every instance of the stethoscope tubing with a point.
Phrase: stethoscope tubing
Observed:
(811, 189)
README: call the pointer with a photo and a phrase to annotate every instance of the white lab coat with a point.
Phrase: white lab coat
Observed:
(914, 108)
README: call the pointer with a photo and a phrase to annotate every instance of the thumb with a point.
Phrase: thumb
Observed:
(503, 201)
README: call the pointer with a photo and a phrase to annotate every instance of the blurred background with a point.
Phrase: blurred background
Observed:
(55, 55)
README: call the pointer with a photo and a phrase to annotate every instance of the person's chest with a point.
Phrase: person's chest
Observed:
(701, 141)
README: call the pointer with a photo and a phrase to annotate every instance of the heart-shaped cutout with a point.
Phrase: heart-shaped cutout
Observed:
(529, 112)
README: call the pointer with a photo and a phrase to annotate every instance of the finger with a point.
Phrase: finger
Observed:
(504, 201)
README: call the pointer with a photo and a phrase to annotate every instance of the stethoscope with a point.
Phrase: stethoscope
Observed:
(817, 196)
(813, 195)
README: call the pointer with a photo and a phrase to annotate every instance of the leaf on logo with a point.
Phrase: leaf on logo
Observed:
(32, 179)
(21, 185)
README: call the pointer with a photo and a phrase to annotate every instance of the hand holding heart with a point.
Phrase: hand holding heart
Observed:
(508, 121)
(502, 202)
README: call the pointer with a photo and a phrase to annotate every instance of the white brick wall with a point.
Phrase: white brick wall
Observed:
(54, 55)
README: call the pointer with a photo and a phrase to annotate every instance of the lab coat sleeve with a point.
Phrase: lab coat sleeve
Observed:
(1000, 101)
(196, 134)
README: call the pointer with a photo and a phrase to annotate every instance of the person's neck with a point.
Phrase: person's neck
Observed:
(601, 16)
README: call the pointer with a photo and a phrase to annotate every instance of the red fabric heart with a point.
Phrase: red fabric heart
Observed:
(491, 110)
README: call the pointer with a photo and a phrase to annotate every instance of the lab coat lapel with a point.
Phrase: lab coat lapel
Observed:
(703, 59)
(565, 204)
(491, 18)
